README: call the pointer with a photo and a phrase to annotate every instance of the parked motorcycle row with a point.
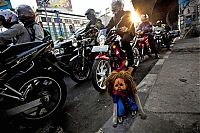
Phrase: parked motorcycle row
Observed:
(32, 87)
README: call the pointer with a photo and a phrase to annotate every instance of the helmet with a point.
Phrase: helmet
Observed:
(117, 5)
(159, 22)
(144, 17)
(25, 13)
(9, 17)
(90, 13)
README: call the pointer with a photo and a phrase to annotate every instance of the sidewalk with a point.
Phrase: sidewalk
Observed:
(170, 94)
(173, 103)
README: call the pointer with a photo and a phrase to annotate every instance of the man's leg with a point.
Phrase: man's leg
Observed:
(126, 46)
(152, 45)
(120, 108)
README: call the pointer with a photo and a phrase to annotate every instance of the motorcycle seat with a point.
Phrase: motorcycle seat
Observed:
(12, 51)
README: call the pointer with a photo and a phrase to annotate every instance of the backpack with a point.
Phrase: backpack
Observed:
(31, 32)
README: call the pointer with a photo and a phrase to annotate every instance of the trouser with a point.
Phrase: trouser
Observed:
(152, 44)
(121, 107)
(126, 46)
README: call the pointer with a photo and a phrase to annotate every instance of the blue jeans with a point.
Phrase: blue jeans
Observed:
(121, 108)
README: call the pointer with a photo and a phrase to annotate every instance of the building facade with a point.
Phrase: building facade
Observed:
(58, 22)
(189, 17)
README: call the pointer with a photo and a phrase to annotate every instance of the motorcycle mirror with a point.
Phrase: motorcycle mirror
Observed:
(92, 26)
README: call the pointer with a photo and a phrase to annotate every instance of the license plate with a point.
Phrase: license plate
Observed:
(103, 48)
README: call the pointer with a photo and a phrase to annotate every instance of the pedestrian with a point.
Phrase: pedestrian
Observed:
(72, 29)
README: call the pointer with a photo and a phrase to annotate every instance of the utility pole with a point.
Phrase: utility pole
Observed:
(44, 4)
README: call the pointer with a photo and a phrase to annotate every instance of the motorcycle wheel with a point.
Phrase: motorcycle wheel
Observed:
(136, 55)
(142, 55)
(157, 46)
(52, 92)
(79, 73)
(100, 71)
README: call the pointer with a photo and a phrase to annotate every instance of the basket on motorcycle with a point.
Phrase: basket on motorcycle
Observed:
(103, 48)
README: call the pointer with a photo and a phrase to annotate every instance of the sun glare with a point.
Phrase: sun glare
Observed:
(135, 18)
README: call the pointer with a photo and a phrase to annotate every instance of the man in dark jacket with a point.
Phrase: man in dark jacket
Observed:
(122, 20)
(91, 15)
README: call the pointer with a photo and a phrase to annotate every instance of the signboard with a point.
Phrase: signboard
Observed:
(5, 4)
(59, 4)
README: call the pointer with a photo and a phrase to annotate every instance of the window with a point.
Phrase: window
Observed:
(57, 20)
(43, 19)
(49, 19)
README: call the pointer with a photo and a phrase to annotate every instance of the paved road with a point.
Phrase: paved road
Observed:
(86, 110)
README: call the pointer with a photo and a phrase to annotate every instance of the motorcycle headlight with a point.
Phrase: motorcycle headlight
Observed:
(113, 46)
(157, 32)
(74, 42)
(102, 40)
(58, 51)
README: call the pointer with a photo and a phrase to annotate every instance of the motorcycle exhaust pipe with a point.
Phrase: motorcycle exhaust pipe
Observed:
(24, 107)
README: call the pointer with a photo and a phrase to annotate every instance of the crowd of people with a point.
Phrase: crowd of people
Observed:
(127, 29)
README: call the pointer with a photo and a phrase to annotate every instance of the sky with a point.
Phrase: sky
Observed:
(16, 3)
(79, 6)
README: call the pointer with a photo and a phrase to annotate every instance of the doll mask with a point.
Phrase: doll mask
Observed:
(119, 84)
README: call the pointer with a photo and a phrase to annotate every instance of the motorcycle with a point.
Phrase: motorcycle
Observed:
(32, 88)
(142, 44)
(78, 59)
(111, 57)
(158, 40)
(81, 63)
(64, 49)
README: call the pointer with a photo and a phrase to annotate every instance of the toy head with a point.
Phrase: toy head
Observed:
(119, 84)
(121, 81)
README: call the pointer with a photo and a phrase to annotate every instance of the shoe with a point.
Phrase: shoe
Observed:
(114, 121)
(157, 57)
(169, 49)
(149, 55)
(120, 120)
(130, 62)
(133, 113)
